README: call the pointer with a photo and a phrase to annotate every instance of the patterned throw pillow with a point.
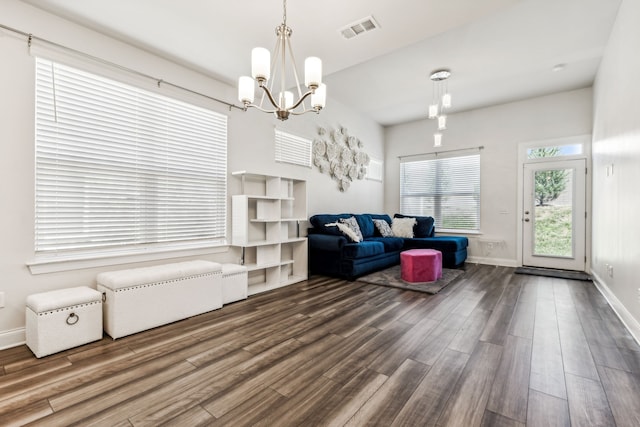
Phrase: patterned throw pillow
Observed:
(383, 227)
(352, 223)
(403, 227)
(344, 228)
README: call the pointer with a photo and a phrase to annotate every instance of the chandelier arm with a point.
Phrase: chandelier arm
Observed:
(301, 100)
(270, 96)
(259, 108)
(311, 110)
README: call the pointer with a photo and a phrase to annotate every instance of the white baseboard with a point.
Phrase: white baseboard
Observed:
(12, 338)
(632, 325)
(502, 262)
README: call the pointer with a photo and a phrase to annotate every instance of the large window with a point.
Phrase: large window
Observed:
(118, 167)
(448, 189)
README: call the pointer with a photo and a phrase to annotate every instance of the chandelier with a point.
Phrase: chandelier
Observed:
(440, 103)
(282, 103)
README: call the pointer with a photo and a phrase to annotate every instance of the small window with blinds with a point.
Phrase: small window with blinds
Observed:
(121, 168)
(292, 149)
(448, 189)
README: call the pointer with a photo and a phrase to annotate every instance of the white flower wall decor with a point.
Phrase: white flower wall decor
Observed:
(340, 155)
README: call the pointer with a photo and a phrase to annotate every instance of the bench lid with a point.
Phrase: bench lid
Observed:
(157, 273)
(61, 298)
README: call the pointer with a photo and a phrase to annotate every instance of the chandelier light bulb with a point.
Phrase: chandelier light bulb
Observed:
(312, 72)
(285, 100)
(319, 98)
(246, 91)
(260, 63)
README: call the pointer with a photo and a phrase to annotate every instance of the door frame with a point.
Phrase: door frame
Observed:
(585, 141)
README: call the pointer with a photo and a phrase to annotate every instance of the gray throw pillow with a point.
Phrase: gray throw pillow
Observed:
(383, 227)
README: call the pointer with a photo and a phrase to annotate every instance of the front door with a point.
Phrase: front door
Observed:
(554, 211)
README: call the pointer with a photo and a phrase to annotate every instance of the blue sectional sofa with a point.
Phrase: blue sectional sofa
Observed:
(333, 253)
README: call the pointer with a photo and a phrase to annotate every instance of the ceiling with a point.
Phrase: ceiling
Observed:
(497, 50)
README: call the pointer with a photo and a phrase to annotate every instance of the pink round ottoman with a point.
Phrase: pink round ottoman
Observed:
(421, 265)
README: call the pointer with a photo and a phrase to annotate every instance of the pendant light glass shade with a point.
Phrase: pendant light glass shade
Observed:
(246, 89)
(260, 63)
(437, 139)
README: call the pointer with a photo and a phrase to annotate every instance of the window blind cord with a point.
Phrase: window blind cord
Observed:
(31, 38)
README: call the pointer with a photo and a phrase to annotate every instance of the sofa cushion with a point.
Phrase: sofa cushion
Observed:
(441, 243)
(319, 222)
(424, 225)
(362, 249)
(391, 244)
(366, 224)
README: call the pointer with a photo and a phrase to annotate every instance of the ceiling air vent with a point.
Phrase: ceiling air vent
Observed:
(359, 27)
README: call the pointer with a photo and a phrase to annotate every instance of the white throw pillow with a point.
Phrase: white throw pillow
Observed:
(403, 227)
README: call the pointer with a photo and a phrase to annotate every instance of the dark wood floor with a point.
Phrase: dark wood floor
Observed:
(492, 349)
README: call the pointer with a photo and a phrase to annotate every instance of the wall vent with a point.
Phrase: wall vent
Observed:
(359, 27)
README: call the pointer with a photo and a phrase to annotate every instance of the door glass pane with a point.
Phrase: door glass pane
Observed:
(554, 151)
(553, 219)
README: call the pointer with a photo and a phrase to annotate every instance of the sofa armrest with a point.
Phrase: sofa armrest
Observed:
(326, 242)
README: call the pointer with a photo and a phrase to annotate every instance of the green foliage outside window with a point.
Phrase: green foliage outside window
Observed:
(549, 184)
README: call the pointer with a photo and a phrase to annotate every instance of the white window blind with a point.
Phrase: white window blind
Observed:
(448, 189)
(292, 149)
(119, 167)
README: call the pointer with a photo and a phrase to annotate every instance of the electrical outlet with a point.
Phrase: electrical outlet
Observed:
(638, 294)
(610, 270)
(2, 299)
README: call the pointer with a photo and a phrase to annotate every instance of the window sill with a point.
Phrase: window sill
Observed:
(54, 264)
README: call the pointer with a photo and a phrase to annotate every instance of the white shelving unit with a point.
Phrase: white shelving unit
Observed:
(265, 223)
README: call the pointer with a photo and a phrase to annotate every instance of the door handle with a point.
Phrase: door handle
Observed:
(526, 220)
(526, 212)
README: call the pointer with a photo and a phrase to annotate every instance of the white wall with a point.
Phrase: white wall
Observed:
(616, 146)
(250, 148)
(499, 129)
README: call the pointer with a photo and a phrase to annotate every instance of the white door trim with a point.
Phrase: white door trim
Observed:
(585, 140)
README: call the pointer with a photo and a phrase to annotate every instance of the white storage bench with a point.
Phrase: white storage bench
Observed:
(143, 298)
(63, 319)
(234, 283)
